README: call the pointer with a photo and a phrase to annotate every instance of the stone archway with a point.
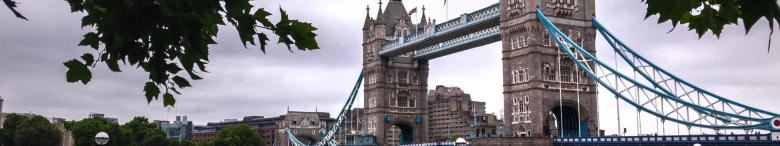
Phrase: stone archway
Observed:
(566, 122)
(306, 139)
(400, 133)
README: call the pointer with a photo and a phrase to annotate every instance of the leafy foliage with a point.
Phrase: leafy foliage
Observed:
(10, 125)
(238, 135)
(36, 131)
(139, 125)
(154, 137)
(84, 131)
(714, 14)
(166, 37)
(12, 5)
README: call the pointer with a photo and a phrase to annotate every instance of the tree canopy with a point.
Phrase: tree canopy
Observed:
(712, 15)
(36, 131)
(241, 135)
(10, 125)
(84, 131)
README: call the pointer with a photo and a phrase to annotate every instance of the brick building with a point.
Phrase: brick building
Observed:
(452, 111)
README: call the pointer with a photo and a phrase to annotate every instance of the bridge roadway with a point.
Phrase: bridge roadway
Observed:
(670, 140)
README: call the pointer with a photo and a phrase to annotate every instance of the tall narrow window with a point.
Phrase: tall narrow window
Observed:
(402, 77)
(520, 42)
(414, 78)
(412, 100)
(546, 39)
(389, 77)
(514, 76)
(525, 41)
(392, 102)
(575, 75)
(512, 43)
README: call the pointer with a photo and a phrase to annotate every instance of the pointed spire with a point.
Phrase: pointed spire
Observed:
(421, 25)
(368, 19)
(379, 13)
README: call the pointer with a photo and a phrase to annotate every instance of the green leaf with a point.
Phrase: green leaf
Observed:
(752, 10)
(263, 41)
(77, 71)
(88, 59)
(261, 15)
(168, 99)
(113, 65)
(90, 39)
(181, 82)
(151, 90)
(304, 35)
(173, 68)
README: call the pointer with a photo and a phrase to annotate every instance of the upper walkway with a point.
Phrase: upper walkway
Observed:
(467, 31)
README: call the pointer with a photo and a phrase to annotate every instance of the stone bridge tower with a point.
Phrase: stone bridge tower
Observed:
(395, 87)
(535, 77)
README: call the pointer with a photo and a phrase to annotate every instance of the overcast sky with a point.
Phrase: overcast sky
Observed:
(246, 82)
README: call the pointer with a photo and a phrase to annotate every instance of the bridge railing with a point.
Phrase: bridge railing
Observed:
(465, 20)
(434, 144)
(476, 36)
(667, 139)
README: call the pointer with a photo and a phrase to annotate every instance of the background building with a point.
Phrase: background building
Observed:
(304, 125)
(110, 119)
(451, 111)
(180, 129)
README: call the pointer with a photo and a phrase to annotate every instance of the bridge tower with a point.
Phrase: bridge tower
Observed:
(535, 77)
(395, 87)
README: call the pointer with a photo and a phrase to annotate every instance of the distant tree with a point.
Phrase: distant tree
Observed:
(205, 143)
(10, 125)
(36, 131)
(241, 135)
(706, 15)
(84, 132)
(186, 143)
(154, 137)
(174, 142)
(139, 125)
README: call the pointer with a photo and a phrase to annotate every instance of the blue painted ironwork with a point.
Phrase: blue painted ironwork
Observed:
(465, 21)
(559, 36)
(459, 41)
(669, 140)
(646, 67)
(328, 138)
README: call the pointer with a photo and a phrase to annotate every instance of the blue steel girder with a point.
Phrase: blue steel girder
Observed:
(652, 73)
(473, 40)
(465, 24)
(748, 123)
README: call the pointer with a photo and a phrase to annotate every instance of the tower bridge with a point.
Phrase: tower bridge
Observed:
(550, 77)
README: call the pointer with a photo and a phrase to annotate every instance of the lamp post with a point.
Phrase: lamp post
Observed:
(101, 138)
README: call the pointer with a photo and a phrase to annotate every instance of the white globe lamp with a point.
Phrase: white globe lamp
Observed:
(101, 138)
